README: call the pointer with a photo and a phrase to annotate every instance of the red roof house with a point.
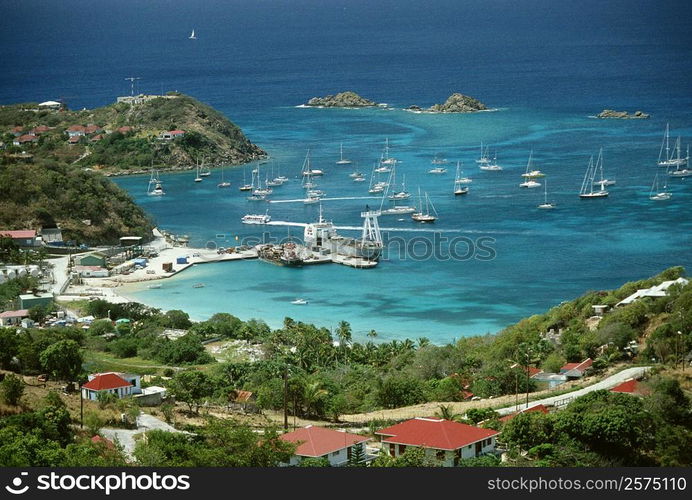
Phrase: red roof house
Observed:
(576, 370)
(315, 442)
(74, 139)
(40, 129)
(74, 130)
(8, 318)
(92, 129)
(22, 237)
(125, 129)
(24, 139)
(444, 440)
(106, 382)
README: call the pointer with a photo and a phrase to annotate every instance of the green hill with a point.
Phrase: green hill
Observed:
(126, 137)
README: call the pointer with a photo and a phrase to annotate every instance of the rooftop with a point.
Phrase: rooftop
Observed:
(318, 441)
(435, 433)
(105, 382)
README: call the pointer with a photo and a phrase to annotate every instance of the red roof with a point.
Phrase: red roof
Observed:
(74, 139)
(20, 234)
(76, 128)
(40, 129)
(17, 129)
(540, 408)
(583, 366)
(318, 441)
(176, 132)
(90, 129)
(435, 433)
(27, 138)
(630, 386)
(98, 439)
(105, 382)
(97, 137)
(125, 129)
(20, 313)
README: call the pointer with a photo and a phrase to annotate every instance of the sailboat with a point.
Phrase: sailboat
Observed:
(668, 160)
(157, 189)
(459, 188)
(259, 190)
(198, 178)
(223, 183)
(587, 184)
(399, 195)
(438, 161)
(657, 195)
(603, 181)
(682, 172)
(386, 159)
(275, 181)
(192, 35)
(484, 158)
(426, 216)
(545, 205)
(530, 175)
(204, 173)
(488, 164)
(246, 186)
(342, 160)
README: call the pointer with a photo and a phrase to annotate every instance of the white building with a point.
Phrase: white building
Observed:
(318, 442)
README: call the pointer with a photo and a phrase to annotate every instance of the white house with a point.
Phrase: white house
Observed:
(50, 105)
(444, 440)
(120, 384)
(660, 290)
(318, 442)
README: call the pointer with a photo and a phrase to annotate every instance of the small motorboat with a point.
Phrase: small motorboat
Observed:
(299, 302)
(198, 285)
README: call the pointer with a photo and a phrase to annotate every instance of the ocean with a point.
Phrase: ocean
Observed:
(545, 69)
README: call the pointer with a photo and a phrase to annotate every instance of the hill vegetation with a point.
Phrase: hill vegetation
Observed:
(126, 137)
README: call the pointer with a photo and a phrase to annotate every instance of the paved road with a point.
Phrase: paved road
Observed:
(125, 437)
(606, 383)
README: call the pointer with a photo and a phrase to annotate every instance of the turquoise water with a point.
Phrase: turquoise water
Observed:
(540, 257)
(546, 65)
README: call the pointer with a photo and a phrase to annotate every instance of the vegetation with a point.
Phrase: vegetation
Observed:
(208, 135)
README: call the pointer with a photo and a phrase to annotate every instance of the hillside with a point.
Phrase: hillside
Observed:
(88, 207)
(169, 132)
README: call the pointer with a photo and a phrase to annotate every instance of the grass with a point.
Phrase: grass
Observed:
(98, 361)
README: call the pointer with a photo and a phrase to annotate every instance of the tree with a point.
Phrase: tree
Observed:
(476, 415)
(38, 313)
(191, 387)
(446, 412)
(8, 346)
(101, 326)
(178, 319)
(12, 389)
(63, 360)
(357, 458)
(93, 422)
(314, 462)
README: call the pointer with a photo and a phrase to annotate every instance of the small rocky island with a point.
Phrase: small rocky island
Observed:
(609, 113)
(346, 99)
(456, 103)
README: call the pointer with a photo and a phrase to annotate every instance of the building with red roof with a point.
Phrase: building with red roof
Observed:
(444, 440)
(172, 134)
(318, 442)
(92, 129)
(537, 408)
(108, 383)
(25, 139)
(21, 237)
(125, 129)
(9, 318)
(576, 370)
(76, 130)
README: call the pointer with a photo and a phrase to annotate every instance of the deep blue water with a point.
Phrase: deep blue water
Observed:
(544, 65)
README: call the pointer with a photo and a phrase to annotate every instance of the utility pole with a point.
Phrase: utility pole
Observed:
(81, 409)
(286, 398)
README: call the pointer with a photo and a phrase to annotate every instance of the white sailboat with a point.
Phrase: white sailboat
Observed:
(459, 187)
(246, 186)
(530, 175)
(402, 194)
(342, 160)
(192, 35)
(545, 205)
(682, 172)
(438, 161)
(223, 183)
(203, 172)
(484, 159)
(155, 187)
(603, 182)
(587, 185)
(488, 164)
(198, 178)
(386, 159)
(659, 195)
(668, 159)
(426, 216)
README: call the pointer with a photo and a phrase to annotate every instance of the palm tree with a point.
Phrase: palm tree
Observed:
(423, 342)
(446, 412)
(372, 334)
(312, 394)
